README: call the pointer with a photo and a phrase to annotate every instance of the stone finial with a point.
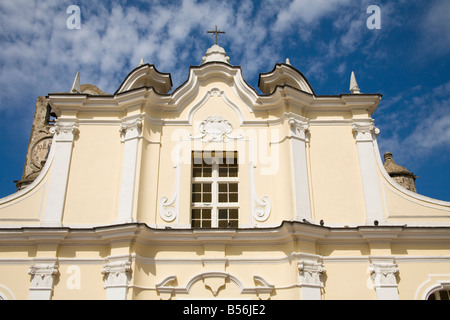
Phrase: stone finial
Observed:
(216, 54)
(353, 84)
(141, 63)
(76, 87)
(400, 174)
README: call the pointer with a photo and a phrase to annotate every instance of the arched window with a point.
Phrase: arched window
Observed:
(440, 295)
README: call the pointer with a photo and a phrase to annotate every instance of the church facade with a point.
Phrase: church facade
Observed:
(215, 191)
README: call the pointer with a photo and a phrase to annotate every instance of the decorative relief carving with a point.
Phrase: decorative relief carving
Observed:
(214, 281)
(39, 152)
(166, 287)
(260, 208)
(216, 127)
(168, 209)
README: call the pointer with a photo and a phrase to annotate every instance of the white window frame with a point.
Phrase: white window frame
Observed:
(215, 180)
(437, 293)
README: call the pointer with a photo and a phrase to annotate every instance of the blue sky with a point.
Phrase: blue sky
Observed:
(407, 60)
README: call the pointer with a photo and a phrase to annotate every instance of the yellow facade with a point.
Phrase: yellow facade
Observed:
(110, 215)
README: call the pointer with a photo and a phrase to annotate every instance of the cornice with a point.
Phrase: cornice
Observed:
(268, 81)
(146, 74)
(177, 101)
(287, 232)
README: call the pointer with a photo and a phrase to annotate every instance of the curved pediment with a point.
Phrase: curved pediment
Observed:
(200, 76)
(147, 76)
(283, 74)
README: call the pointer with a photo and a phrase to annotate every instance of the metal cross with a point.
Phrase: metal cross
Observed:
(216, 32)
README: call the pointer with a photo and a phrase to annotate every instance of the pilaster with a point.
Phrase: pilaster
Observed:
(299, 136)
(130, 133)
(64, 133)
(365, 133)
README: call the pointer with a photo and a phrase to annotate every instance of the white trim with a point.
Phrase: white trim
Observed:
(402, 191)
(298, 136)
(264, 287)
(131, 130)
(211, 93)
(365, 132)
(64, 134)
(433, 283)
(9, 293)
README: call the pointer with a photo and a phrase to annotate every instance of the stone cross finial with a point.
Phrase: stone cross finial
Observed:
(216, 33)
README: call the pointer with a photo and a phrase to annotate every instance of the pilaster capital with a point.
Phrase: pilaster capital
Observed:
(64, 131)
(299, 128)
(131, 129)
(364, 130)
(311, 270)
(384, 273)
(43, 272)
(117, 271)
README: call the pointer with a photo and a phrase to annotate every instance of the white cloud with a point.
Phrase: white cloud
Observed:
(436, 29)
(306, 12)
(420, 126)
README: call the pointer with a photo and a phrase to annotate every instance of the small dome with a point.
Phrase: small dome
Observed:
(92, 90)
(393, 168)
(216, 54)
(400, 174)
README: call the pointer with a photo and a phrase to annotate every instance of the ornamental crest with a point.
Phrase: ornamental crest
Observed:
(216, 128)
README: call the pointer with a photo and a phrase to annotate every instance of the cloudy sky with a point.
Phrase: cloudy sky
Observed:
(407, 60)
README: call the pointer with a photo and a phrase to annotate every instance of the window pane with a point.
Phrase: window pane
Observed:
(223, 224)
(233, 214)
(196, 223)
(197, 172)
(443, 294)
(233, 172)
(206, 224)
(233, 224)
(207, 172)
(196, 197)
(233, 187)
(233, 197)
(207, 197)
(223, 214)
(223, 187)
(223, 172)
(223, 197)
(196, 214)
(206, 213)
(207, 187)
(196, 187)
